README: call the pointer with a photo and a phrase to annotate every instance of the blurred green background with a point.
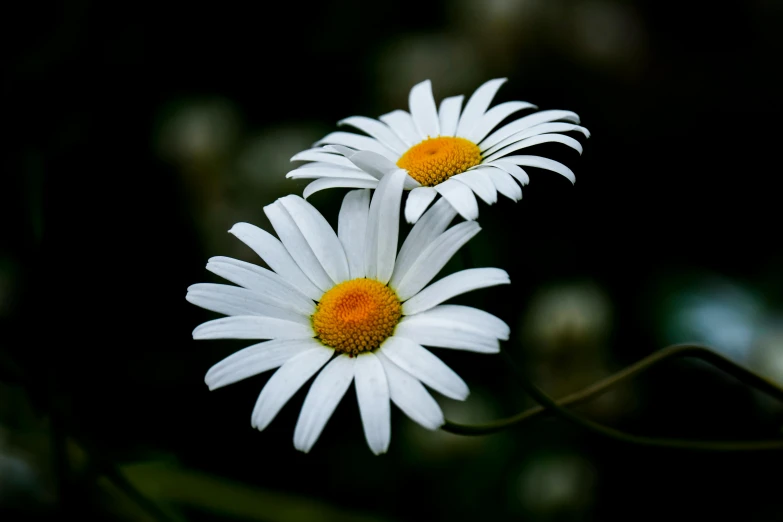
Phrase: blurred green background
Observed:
(137, 135)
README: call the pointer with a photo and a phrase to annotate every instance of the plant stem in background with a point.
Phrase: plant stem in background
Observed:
(547, 405)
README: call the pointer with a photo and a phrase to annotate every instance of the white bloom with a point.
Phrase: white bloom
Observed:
(352, 295)
(444, 150)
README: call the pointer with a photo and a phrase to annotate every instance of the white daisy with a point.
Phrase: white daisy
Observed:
(353, 296)
(445, 151)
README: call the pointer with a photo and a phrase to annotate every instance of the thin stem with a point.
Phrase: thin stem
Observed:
(548, 405)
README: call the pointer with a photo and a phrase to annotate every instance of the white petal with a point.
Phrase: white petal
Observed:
(322, 155)
(422, 364)
(477, 105)
(272, 251)
(511, 168)
(410, 396)
(325, 394)
(543, 163)
(418, 201)
(535, 140)
(401, 122)
(525, 123)
(272, 288)
(319, 235)
(434, 257)
(479, 183)
(542, 128)
(329, 172)
(467, 319)
(430, 226)
(383, 226)
(494, 116)
(504, 183)
(358, 142)
(423, 110)
(377, 130)
(326, 183)
(297, 245)
(373, 164)
(448, 115)
(410, 183)
(453, 285)
(352, 228)
(431, 332)
(460, 197)
(285, 382)
(256, 359)
(252, 327)
(233, 300)
(372, 392)
(323, 165)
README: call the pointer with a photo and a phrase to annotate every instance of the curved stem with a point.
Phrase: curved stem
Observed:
(549, 405)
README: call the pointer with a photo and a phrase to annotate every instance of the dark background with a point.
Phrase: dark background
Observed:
(137, 135)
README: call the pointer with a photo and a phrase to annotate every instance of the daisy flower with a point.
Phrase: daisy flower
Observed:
(351, 304)
(444, 150)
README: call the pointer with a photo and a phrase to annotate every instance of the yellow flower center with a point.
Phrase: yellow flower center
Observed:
(357, 315)
(435, 160)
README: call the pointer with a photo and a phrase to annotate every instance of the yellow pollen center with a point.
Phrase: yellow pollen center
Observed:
(357, 315)
(435, 160)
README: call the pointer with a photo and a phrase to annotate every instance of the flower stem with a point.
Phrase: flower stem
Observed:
(547, 405)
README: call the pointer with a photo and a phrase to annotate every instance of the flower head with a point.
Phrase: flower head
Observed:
(445, 150)
(352, 306)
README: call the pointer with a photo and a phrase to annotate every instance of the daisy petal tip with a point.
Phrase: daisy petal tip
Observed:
(379, 451)
(422, 83)
(434, 424)
(411, 216)
(303, 446)
(260, 426)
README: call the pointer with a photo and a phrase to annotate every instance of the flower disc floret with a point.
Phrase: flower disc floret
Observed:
(357, 316)
(435, 160)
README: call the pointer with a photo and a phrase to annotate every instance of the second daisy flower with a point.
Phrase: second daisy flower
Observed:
(444, 151)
